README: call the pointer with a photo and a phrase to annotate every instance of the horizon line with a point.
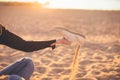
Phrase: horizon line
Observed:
(47, 6)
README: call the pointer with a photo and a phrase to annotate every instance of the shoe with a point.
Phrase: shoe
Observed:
(71, 36)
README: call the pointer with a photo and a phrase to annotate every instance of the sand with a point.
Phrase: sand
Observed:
(99, 57)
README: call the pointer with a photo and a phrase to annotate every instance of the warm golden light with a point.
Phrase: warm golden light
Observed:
(85, 4)
(42, 1)
(77, 4)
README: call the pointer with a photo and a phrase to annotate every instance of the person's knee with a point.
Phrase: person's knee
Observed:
(28, 62)
(14, 77)
(29, 68)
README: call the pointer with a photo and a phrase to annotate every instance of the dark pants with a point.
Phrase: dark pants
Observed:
(23, 68)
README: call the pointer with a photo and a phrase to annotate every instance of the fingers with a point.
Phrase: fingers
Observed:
(62, 41)
(66, 41)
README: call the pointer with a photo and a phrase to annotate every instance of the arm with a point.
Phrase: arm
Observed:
(14, 41)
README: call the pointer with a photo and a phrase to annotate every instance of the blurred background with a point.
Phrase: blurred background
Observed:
(98, 20)
(76, 4)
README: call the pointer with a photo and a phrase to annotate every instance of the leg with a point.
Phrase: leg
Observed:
(14, 77)
(23, 68)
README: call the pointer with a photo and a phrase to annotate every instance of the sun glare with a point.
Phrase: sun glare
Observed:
(77, 4)
(42, 1)
(85, 4)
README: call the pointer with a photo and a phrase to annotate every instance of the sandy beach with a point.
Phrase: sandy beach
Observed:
(99, 57)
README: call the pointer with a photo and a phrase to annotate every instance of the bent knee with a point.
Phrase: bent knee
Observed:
(27, 60)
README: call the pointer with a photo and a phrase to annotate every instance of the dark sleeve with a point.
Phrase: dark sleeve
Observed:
(14, 41)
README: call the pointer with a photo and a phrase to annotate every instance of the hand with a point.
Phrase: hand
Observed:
(62, 41)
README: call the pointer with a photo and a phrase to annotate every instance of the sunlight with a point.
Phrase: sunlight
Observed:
(42, 1)
(77, 4)
(85, 4)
